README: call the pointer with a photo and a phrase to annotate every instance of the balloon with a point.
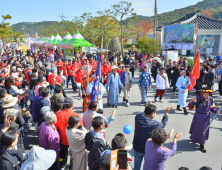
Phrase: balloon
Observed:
(127, 129)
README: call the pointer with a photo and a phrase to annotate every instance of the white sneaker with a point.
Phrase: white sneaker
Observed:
(127, 104)
(161, 100)
(128, 95)
(120, 95)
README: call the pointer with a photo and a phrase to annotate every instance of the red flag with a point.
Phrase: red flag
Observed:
(195, 73)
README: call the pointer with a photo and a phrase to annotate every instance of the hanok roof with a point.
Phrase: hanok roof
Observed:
(204, 22)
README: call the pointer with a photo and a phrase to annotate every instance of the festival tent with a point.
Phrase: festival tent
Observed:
(40, 41)
(64, 41)
(50, 40)
(77, 41)
(55, 41)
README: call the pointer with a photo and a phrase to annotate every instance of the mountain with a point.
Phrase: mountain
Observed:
(31, 27)
(214, 6)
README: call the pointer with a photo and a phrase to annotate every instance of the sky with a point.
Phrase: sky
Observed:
(49, 10)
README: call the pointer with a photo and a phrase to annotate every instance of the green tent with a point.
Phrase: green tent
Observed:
(50, 40)
(64, 41)
(55, 41)
(77, 41)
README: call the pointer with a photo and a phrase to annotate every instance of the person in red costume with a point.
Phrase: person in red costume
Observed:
(59, 64)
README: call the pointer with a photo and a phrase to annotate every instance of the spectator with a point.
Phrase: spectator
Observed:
(10, 159)
(13, 90)
(41, 103)
(155, 153)
(52, 80)
(144, 125)
(62, 123)
(76, 135)
(218, 58)
(58, 105)
(183, 168)
(96, 143)
(57, 95)
(49, 136)
(205, 168)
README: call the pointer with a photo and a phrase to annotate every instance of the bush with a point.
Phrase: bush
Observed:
(190, 61)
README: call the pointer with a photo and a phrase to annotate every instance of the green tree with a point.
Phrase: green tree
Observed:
(125, 16)
(147, 45)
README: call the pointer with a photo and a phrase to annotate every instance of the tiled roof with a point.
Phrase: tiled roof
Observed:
(204, 22)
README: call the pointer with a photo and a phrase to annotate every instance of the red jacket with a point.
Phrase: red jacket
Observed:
(80, 74)
(27, 74)
(59, 80)
(51, 79)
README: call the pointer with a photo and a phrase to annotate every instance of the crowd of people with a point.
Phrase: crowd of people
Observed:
(33, 91)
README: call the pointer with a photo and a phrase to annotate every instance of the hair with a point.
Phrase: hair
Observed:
(32, 83)
(2, 93)
(118, 143)
(36, 66)
(73, 120)
(59, 72)
(120, 135)
(19, 87)
(205, 168)
(34, 70)
(150, 108)
(24, 83)
(92, 105)
(48, 116)
(159, 136)
(40, 90)
(45, 92)
(183, 168)
(8, 137)
(100, 111)
(11, 81)
(57, 105)
(46, 65)
(1, 79)
(58, 89)
(97, 122)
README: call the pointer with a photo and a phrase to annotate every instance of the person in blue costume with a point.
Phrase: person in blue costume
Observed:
(182, 83)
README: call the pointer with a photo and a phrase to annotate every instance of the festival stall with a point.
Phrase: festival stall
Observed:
(50, 40)
(56, 40)
(40, 41)
(77, 41)
(64, 41)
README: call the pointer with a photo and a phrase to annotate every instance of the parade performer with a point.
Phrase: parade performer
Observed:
(144, 83)
(204, 105)
(85, 81)
(182, 83)
(161, 84)
(112, 87)
(126, 80)
(101, 91)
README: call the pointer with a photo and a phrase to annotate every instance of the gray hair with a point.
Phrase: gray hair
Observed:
(48, 116)
(45, 109)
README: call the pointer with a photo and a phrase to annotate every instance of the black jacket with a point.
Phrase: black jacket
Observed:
(96, 146)
(210, 76)
(8, 162)
(38, 106)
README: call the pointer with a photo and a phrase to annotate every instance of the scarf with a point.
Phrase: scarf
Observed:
(163, 76)
(12, 152)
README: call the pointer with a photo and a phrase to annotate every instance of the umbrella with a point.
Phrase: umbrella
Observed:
(23, 47)
(207, 55)
(158, 59)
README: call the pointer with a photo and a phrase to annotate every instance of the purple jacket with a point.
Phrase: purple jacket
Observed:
(49, 138)
(155, 156)
(33, 104)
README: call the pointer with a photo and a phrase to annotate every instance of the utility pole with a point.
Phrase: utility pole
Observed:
(62, 16)
(155, 20)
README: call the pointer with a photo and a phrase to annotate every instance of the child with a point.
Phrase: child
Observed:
(27, 117)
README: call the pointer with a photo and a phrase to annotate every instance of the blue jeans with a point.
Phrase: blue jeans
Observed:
(138, 158)
(144, 93)
(80, 90)
(52, 88)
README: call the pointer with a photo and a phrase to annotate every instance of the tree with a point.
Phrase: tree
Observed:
(114, 45)
(207, 13)
(124, 11)
(147, 45)
(144, 28)
(17, 35)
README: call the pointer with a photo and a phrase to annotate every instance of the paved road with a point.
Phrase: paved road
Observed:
(188, 154)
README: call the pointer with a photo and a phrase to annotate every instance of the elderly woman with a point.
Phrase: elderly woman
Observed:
(155, 153)
(76, 136)
(49, 136)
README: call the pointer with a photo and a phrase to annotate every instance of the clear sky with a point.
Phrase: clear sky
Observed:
(49, 10)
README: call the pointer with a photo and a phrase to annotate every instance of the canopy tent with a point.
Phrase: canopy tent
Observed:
(64, 41)
(50, 40)
(23, 47)
(55, 41)
(40, 41)
(77, 41)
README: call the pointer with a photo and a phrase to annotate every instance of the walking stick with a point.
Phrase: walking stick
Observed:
(210, 123)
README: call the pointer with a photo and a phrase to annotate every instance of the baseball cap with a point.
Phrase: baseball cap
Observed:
(69, 101)
(52, 70)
